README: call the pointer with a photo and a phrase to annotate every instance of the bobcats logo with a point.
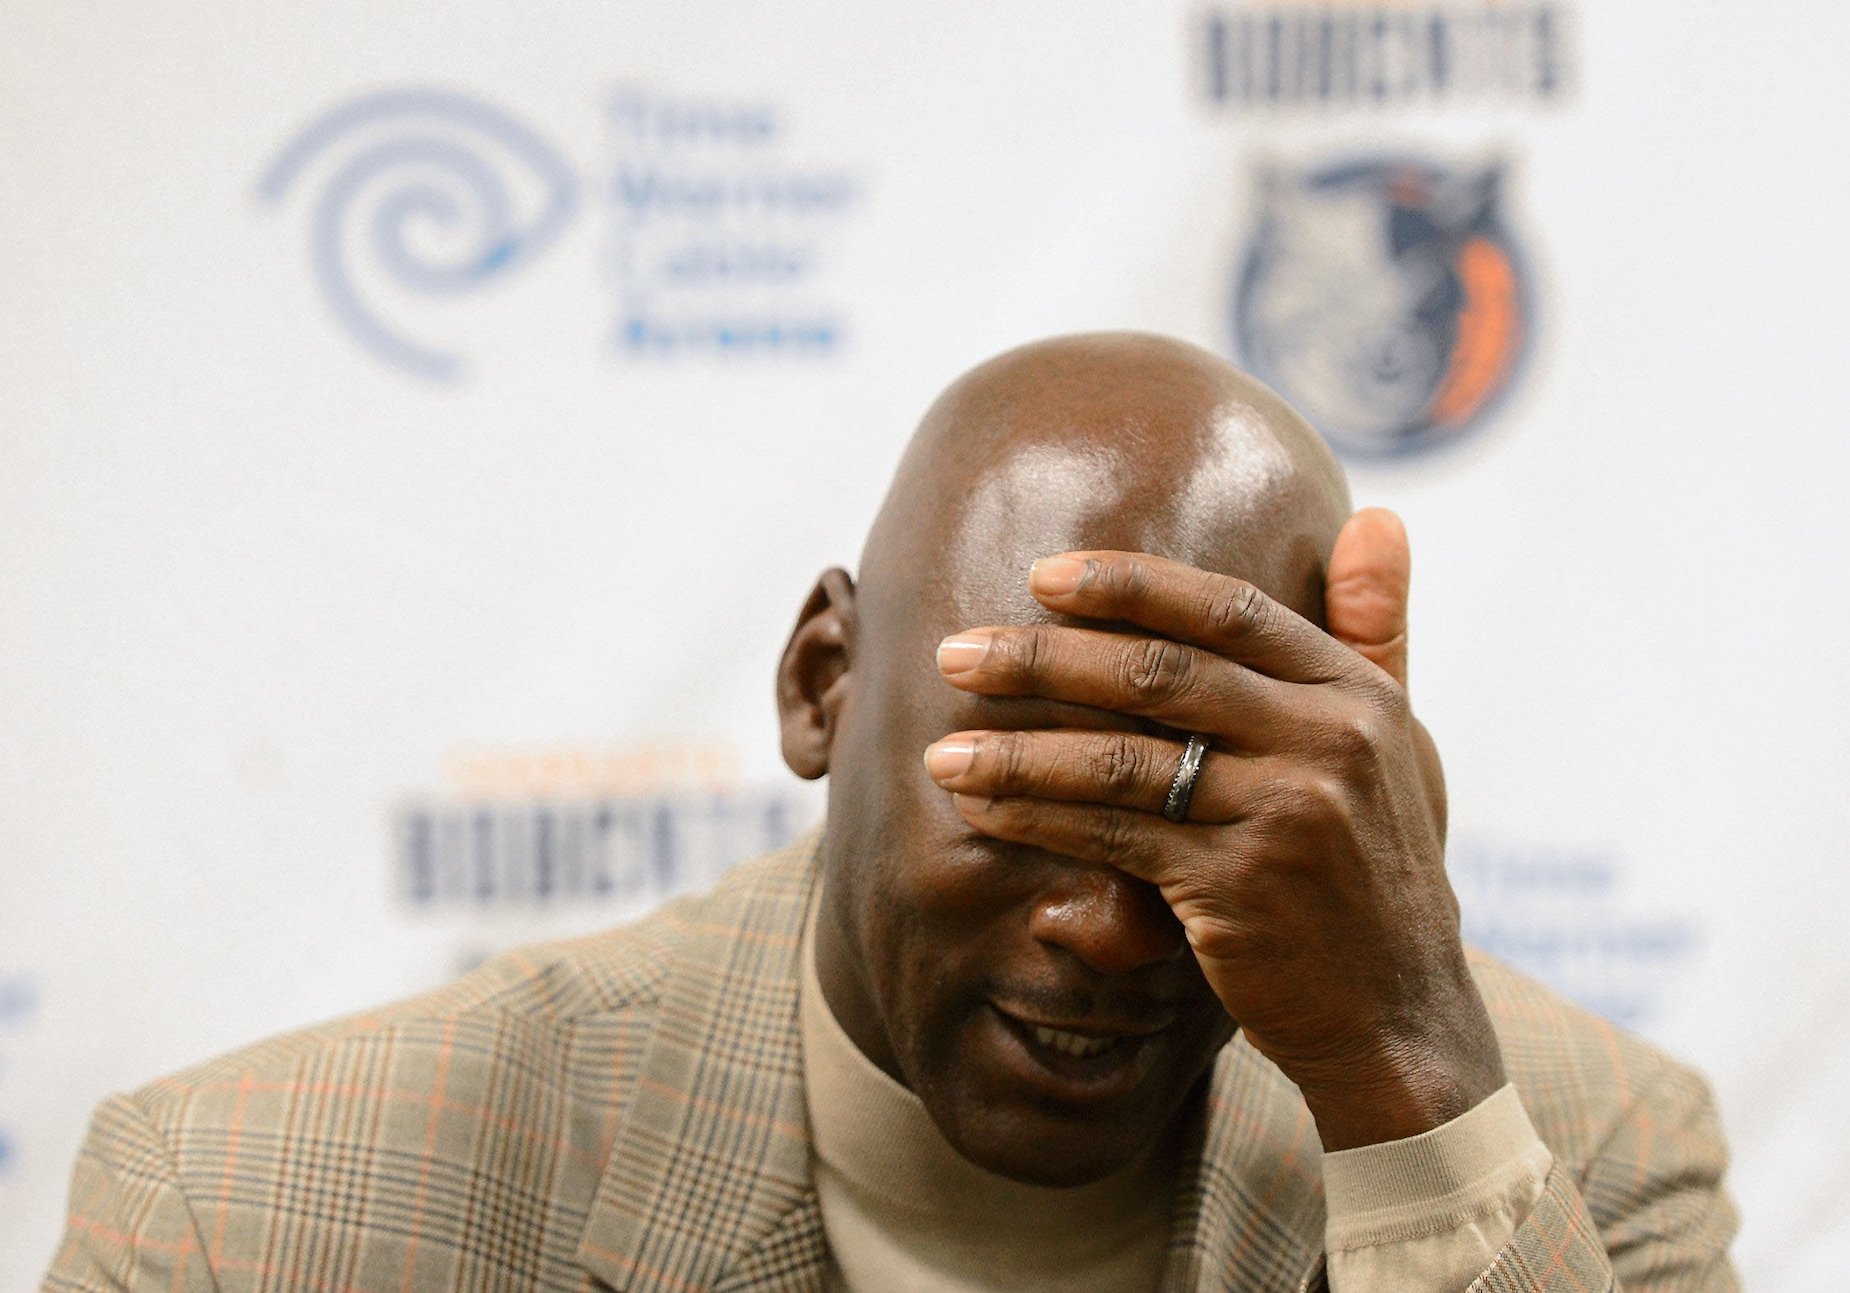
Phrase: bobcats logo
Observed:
(1383, 299)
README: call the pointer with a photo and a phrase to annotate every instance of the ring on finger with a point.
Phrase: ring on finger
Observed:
(1182, 785)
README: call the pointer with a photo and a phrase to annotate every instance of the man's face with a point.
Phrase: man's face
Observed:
(1046, 1011)
(970, 946)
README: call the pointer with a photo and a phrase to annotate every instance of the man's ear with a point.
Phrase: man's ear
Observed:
(812, 678)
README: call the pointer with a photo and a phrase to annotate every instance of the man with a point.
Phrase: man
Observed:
(1102, 791)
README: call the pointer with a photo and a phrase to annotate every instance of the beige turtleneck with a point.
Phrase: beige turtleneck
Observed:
(906, 1213)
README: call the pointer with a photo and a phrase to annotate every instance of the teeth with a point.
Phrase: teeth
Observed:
(1072, 1043)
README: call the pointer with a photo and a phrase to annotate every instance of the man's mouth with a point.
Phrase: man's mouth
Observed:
(1085, 1062)
(1077, 1045)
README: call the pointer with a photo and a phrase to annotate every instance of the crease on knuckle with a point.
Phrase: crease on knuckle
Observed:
(1108, 831)
(1123, 580)
(1022, 653)
(1008, 772)
(1236, 609)
(1157, 671)
(1120, 767)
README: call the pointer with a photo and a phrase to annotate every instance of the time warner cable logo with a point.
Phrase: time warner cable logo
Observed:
(418, 195)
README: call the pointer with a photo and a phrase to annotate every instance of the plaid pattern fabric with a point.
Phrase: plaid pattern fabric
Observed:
(627, 1111)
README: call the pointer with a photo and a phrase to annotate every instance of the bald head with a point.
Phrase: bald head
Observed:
(1104, 440)
(1110, 441)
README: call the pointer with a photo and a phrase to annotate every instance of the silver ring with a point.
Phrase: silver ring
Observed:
(1182, 785)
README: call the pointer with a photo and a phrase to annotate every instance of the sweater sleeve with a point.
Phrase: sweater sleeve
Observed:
(1432, 1211)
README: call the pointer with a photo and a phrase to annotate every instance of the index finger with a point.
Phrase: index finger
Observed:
(1228, 616)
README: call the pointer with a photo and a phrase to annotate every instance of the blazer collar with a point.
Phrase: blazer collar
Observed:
(709, 1179)
(708, 1184)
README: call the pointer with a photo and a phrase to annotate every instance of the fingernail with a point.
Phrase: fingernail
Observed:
(949, 758)
(1057, 576)
(978, 804)
(962, 651)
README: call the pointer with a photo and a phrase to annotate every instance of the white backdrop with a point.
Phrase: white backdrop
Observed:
(420, 423)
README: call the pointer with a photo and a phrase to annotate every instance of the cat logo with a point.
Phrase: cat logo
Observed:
(1384, 300)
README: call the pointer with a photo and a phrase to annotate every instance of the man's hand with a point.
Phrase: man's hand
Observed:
(1309, 875)
(1365, 606)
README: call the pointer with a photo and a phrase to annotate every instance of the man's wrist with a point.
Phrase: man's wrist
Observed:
(1374, 1114)
(1406, 1089)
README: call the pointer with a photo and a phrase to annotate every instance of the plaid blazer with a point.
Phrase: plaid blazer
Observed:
(627, 1111)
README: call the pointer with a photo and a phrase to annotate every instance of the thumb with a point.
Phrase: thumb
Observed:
(1365, 591)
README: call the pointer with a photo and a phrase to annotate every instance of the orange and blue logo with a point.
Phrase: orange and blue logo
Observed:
(1385, 300)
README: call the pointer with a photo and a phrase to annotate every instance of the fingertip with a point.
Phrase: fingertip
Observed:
(1060, 575)
(1376, 528)
(1380, 517)
(1372, 545)
(950, 758)
(962, 652)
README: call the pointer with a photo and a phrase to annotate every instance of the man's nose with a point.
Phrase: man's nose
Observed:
(1113, 922)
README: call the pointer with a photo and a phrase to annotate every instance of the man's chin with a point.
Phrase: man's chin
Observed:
(1038, 1144)
(1032, 1113)
(1057, 1156)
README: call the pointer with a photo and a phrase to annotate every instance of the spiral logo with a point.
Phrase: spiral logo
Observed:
(423, 194)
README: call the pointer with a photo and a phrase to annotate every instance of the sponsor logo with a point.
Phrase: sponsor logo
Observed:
(718, 236)
(1371, 56)
(717, 241)
(619, 848)
(530, 830)
(1561, 915)
(421, 193)
(1383, 298)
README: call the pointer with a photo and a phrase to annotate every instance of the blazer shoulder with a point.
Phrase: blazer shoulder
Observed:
(501, 1094)
(1583, 1078)
(549, 1010)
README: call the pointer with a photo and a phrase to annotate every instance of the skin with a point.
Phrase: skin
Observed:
(1094, 546)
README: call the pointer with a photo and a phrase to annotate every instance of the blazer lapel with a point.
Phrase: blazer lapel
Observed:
(1250, 1213)
(708, 1183)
